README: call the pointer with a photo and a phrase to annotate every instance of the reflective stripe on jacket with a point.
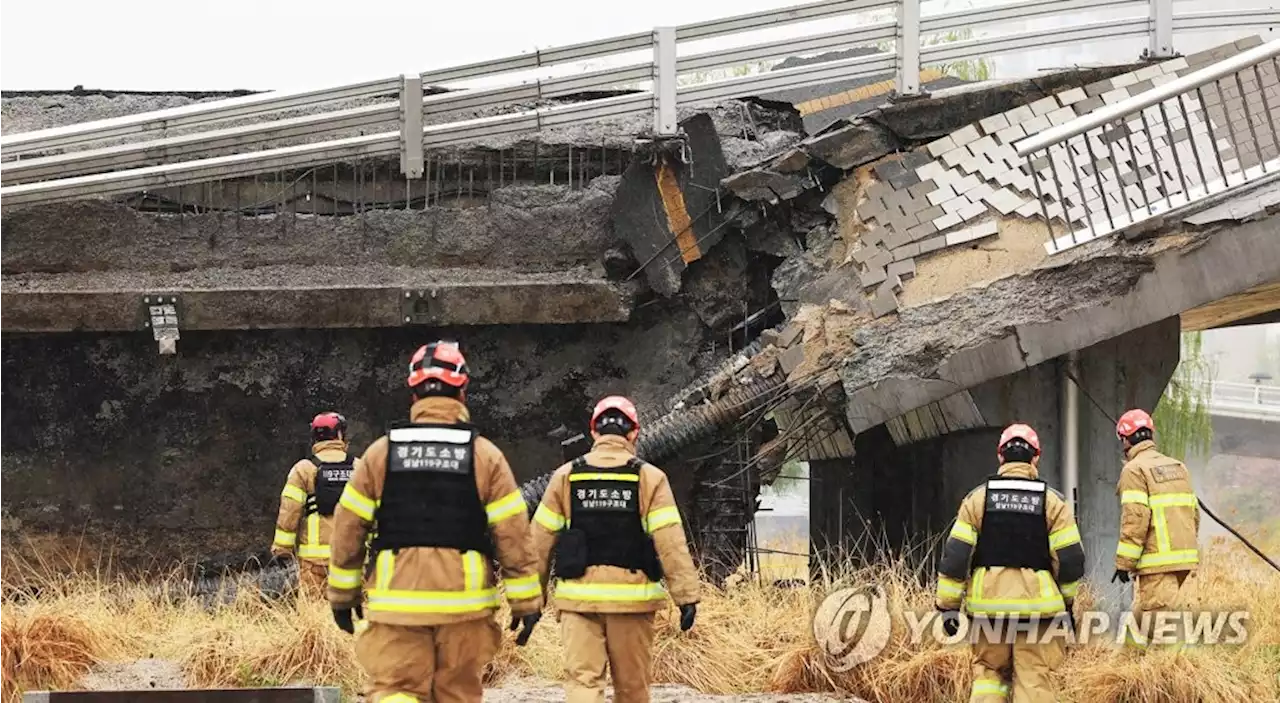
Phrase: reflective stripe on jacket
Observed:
(612, 589)
(1159, 514)
(313, 543)
(1002, 590)
(429, 585)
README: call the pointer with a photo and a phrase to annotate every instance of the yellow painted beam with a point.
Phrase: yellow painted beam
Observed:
(866, 92)
(678, 219)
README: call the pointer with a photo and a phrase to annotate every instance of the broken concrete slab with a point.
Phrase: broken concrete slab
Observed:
(766, 186)
(884, 302)
(854, 145)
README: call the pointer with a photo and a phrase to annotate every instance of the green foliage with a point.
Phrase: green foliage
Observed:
(1183, 425)
(792, 479)
(970, 70)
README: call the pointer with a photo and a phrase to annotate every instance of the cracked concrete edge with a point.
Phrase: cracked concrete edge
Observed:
(1206, 267)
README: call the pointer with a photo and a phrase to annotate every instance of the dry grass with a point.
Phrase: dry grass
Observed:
(751, 637)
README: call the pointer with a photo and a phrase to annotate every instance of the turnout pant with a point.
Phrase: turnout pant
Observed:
(622, 641)
(418, 664)
(1028, 664)
(1152, 594)
(313, 579)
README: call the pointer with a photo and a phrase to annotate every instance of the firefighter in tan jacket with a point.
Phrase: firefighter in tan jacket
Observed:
(617, 535)
(310, 495)
(1159, 526)
(446, 505)
(1014, 559)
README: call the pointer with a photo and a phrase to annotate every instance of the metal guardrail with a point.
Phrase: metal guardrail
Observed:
(129, 168)
(1221, 392)
(1180, 142)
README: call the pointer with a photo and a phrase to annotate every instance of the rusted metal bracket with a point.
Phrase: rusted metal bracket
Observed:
(415, 306)
(238, 695)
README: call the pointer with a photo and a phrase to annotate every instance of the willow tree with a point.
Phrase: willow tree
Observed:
(1182, 416)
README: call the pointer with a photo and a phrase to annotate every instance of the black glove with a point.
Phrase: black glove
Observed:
(950, 622)
(1071, 617)
(528, 621)
(342, 616)
(1121, 576)
(687, 615)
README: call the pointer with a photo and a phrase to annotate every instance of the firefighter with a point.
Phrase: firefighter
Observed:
(311, 493)
(1014, 559)
(1159, 524)
(613, 523)
(446, 505)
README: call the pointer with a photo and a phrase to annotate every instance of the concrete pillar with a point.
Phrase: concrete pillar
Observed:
(841, 511)
(1129, 371)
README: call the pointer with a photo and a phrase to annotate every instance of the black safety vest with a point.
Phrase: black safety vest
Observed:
(1014, 529)
(429, 497)
(331, 478)
(605, 505)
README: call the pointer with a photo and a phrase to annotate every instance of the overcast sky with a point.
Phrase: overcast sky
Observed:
(292, 44)
(282, 44)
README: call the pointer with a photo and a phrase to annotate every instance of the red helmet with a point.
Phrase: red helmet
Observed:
(1133, 421)
(328, 426)
(439, 360)
(618, 403)
(1022, 432)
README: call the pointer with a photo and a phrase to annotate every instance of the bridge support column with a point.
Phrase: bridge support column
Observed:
(896, 495)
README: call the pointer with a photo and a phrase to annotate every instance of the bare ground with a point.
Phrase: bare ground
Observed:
(163, 674)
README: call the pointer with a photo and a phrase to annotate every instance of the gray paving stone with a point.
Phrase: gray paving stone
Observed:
(941, 146)
(965, 135)
(914, 159)
(955, 204)
(897, 239)
(872, 237)
(930, 214)
(1174, 65)
(1084, 107)
(946, 221)
(904, 180)
(1011, 134)
(902, 269)
(1036, 124)
(1141, 86)
(1098, 88)
(1124, 79)
(941, 195)
(880, 259)
(991, 170)
(1248, 42)
(1146, 73)
(871, 277)
(1071, 96)
(1045, 105)
(922, 231)
(919, 190)
(966, 184)
(1021, 113)
(928, 171)
(994, 123)
(972, 210)
(972, 234)
(954, 157)
(906, 252)
(862, 254)
(979, 192)
(1115, 96)
(883, 302)
(932, 244)
(1062, 115)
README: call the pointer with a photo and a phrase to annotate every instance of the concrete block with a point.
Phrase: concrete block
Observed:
(932, 244)
(966, 184)
(941, 195)
(1097, 88)
(979, 192)
(921, 189)
(972, 234)
(896, 240)
(906, 252)
(1146, 73)
(904, 180)
(930, 213)
(994, 123)
(946, 221)
(1071, 96)
(1010, 134)
(983, 145)
(902, 269)
(941, 146)
(1115, 96)
(871, 277)
(883, 303)
(965, 135)
(972, 210)
(1044, 106)
(791, 358)
(894, 283)
(1174, 65)
(871, 207)
(953, 158)
(872, 237)
(1084, 107)
(1004, 200)
(863, 253)
(880, 259)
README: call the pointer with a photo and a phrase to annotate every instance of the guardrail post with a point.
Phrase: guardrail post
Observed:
(411, 126)
(1161, 31)
(907, 46)
(664, 81)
